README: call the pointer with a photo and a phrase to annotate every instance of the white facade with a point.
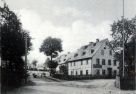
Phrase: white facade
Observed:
(95, 59)
(81, 67)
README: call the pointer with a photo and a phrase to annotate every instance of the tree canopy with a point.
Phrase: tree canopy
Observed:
(117, 32)
(12, 38)
(12, 35)
(129, 44)
(51, 47)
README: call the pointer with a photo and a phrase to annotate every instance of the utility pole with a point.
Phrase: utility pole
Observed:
(26, 51)
(123, 43)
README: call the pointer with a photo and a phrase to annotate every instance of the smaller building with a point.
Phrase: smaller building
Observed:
(63, 60)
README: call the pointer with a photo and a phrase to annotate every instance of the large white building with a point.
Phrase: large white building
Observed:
(93, 59)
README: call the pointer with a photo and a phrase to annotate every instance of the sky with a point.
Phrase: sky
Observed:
(75, 22)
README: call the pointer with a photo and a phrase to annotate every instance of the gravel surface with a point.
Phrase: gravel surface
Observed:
(47, 86)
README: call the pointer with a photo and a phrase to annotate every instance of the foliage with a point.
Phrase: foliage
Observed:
(51, 47)
(63, 69)
(34, 62)
(52, 64)
(117, 42)
(117, 32)
(12, 47)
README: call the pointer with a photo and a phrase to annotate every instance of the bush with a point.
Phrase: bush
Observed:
(79, 77)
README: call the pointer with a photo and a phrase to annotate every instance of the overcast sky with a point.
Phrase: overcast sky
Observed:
(76, 22)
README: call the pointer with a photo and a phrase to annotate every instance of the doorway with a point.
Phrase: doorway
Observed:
(109, 72)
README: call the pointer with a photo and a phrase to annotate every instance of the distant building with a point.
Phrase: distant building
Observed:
(92, 59)
(63, 60)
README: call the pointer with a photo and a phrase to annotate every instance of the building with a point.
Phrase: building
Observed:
(63, 60)
(96, 58)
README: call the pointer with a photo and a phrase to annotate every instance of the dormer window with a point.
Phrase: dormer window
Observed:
(94, 44)
(92, 51)
(75, 55)
(83, 53)
(85, 47)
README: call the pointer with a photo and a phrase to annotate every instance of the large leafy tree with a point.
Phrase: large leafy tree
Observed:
(117, 42)
(12, 47)
(51, 47)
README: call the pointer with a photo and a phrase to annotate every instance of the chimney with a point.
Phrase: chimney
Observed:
(97, 40)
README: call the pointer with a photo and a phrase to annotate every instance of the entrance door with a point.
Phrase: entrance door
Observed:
(109, 72)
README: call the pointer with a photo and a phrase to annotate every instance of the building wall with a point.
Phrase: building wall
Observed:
(101, 52)
(78, 66)
(106, 56)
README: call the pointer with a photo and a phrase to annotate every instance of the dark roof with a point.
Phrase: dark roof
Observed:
(85, 51)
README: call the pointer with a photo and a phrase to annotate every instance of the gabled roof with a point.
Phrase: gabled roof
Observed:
(87, 51)
(64, 58)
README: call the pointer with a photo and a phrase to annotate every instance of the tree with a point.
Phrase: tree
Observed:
(12, 48)
(51, 47)
(34, 63)
(52, 65)
(63, 69)
(117, 35)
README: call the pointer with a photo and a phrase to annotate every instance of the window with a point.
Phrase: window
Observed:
(75, 55)
(83, 53)
(71, 72)
(103, 72)
(87, 62)
(114, 62)
(86, 72)
(94, 44)
(102, 52)
(85, 47)
(109, 62)
(74, 63)
(71, 63)
(98, 61)
(92, 51)
(103, 61)
(76, 73)
(98, 72)
(81, 62)
(81, 72)
(110, 52)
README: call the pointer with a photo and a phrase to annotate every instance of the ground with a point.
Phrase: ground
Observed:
(47, 86)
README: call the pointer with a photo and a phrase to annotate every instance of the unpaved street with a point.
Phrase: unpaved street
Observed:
(46, 86)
